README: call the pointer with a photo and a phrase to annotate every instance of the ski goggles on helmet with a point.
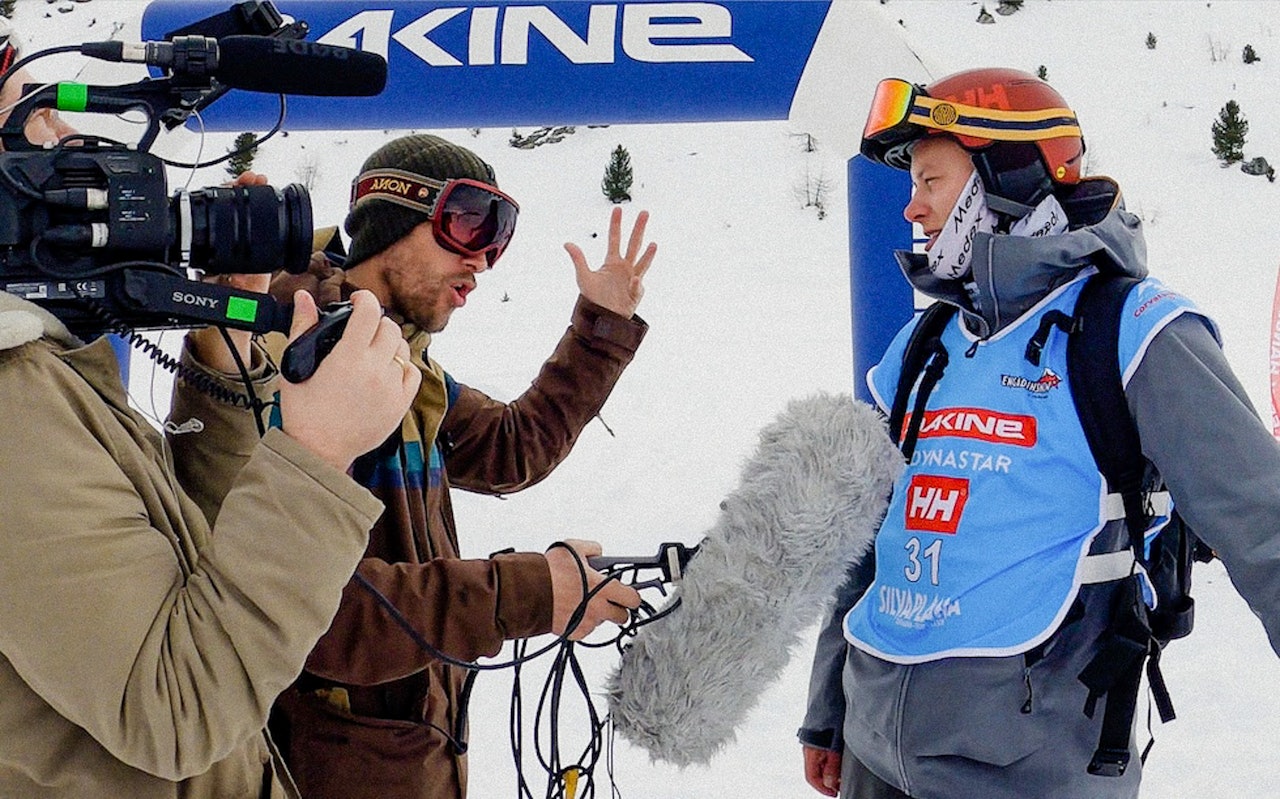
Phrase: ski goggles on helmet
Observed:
(903, 112)
(467, 216)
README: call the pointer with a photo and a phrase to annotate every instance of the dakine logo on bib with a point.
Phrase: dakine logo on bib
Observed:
(980, 424)
(935, 504)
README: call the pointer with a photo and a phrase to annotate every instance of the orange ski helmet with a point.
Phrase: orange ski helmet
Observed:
(1024, 138)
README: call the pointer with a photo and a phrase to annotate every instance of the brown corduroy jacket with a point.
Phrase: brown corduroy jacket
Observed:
(373, 714)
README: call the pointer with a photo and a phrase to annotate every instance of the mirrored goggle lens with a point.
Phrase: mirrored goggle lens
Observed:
(476, 219)
(889, 107)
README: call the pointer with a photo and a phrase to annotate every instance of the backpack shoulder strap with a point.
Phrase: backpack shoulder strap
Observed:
(924, 344)
(1097, 388)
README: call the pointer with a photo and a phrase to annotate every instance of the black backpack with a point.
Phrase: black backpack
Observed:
(1135, 635)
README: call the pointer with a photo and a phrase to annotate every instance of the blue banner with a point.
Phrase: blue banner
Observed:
(881, 298)
(492, 63)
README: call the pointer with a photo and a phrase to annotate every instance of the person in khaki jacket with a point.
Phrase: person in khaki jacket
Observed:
(159, 592)
(146, 631)
(375, 714)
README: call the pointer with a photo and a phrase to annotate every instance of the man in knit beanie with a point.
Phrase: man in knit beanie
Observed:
(376, 713)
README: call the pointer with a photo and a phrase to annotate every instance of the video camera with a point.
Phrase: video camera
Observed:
(88, 228)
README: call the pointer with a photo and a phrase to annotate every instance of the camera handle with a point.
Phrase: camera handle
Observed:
(303, 356)
(195, 303)
(153, 97)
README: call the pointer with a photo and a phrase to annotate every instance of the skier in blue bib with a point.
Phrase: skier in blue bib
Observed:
(950, 669)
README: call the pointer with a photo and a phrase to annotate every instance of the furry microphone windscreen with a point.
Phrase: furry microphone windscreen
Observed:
(807, 506)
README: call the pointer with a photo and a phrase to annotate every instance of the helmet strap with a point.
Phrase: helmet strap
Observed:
(1008, 210)
(1014, 177)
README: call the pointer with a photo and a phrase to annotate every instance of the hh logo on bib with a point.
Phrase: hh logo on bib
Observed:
(935, 504)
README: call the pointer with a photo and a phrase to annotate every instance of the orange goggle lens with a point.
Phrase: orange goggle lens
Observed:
(890, 106)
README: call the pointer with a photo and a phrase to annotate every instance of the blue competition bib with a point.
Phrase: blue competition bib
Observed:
(982, 547)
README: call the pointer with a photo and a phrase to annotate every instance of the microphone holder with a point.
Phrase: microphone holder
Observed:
(154, 97)
(671, 561)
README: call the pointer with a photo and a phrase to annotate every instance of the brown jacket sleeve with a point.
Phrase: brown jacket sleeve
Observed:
(499, 448)
(467, 608)
(454, 605)
(208, 457)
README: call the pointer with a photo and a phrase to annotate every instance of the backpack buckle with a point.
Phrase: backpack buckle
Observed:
(1109, 762)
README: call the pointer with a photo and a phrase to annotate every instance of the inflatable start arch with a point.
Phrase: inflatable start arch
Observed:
(496, 63)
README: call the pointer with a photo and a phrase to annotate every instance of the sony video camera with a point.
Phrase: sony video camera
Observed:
(88, 228)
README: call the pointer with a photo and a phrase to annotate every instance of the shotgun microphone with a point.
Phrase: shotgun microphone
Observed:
(808, 504)
(258, 63)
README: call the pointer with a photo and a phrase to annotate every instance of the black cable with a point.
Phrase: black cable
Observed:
(199, 380)
(255, 404)
(515, 730)
(241, 151)
(601, 740)
(22, 62)
(565, 664)
(431, 649)
(17, 185)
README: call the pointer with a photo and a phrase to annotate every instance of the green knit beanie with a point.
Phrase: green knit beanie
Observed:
(377, 224)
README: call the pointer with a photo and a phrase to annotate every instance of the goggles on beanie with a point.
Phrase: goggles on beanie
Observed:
(902, 112)
(467, 216)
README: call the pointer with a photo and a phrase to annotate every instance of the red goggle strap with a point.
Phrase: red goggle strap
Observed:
(411, 190)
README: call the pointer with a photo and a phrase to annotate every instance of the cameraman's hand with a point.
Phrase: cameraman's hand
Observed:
(207, 344)
(610, 604)
(43, 125)
(248, 179)
(361, 390)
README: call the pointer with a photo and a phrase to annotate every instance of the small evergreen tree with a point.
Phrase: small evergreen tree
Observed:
(1151, 41)
(1043, 73)
(617, 176)
(244, 150)
(1228, 134)
(1249, 55)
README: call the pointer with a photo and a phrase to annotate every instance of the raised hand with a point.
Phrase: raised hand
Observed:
(619, 282)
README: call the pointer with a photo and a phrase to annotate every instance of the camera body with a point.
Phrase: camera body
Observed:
(76, 223)
(88, 227)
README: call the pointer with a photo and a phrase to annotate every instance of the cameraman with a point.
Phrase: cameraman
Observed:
(147, 630)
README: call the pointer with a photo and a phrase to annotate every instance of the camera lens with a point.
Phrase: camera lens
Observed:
(244, 229)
